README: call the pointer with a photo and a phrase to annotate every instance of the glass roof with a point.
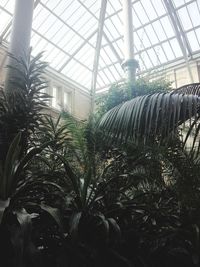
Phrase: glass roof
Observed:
(67, 32)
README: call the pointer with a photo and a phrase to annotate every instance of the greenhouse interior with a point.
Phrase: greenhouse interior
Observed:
(100, 133)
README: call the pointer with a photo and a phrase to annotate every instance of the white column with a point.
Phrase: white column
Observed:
(128, 29)
(130, 64)
(21, 33)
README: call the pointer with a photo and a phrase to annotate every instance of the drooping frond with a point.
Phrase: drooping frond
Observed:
(151, 117)
(189, 89)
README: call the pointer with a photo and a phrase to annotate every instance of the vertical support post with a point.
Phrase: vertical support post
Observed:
(20, 35)
(97, 52)
(130, 64)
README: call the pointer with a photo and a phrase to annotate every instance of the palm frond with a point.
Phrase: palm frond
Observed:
(150, 118)
(189, 89)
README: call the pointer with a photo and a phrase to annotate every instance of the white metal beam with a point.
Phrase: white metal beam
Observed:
(97, 52)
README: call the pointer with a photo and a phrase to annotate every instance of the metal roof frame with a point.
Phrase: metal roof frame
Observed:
(108, 53)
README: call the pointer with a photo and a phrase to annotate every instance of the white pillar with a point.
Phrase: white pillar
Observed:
(130, 64)
(128, 29)
(20, 34)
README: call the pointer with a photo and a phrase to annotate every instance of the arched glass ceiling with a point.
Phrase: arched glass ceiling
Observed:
(164, 31)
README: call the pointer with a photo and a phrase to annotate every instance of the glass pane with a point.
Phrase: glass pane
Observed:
(159, 30)
(110, 9)
(138, 43)
(51, 24)
(179, 3)
(103, 59)
(168, 27)
(176, 48)
(193, 41)
(149, 9)
(140, 13)
(93, 5)
(153, 37)
(8, 5)
(111, 31)
(100, 81)
(75, 71)
(198, 35)
(153, 56)
(51, 4)
(115, 73)
(3, 3)
(5, 19)
(185, 19)
(136, 22)
(146, 59)
(161, 55)
(159, 7)
(119, 46)
(86, 55)
(194, 14)
(143, 39)
(168, 50)
(104, 80)
(40, 17)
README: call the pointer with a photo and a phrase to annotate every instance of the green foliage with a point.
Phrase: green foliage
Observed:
(11, 172)
(151, 118)
(122, 92)
(22, 105)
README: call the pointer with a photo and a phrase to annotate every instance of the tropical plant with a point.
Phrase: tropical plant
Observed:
(22, 105)
(20, 111)
(11, 173)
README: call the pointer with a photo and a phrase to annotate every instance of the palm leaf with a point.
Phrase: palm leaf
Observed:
(189, 89)
(8, 169)
(12, 159)
(149, 118)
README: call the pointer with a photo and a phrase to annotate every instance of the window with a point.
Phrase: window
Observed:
(67, 101)
(54, 99)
